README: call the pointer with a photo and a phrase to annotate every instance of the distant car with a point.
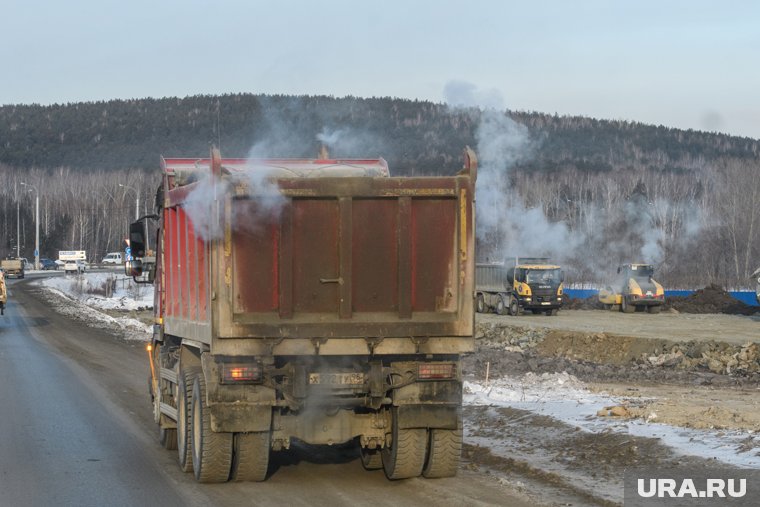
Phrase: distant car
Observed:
(77, 267)
(47, 264)
(59, 263)
(113, 258)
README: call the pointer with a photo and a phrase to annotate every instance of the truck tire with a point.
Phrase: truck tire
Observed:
(250, 456)
(444, 453)
(501, 306)
(372, 459)
(654, 309)
(514, 307)
(480, 305)
(404, 455)
(184, 404)
(167, 437)
(625, 307)
(212, 451)
(552, 313)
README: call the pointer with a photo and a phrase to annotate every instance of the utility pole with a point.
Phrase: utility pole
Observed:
(36, 225)
(18, 223)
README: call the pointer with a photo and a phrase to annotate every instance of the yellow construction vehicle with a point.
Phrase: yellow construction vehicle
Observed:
(3, 293)
(633, 288)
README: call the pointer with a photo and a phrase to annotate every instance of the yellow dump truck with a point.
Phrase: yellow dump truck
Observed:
(756, 277)
(519, 284)
(634, 288)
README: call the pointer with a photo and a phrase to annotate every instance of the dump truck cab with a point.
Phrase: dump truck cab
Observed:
(634, 288)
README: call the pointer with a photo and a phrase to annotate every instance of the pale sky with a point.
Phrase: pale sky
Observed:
(685, 64)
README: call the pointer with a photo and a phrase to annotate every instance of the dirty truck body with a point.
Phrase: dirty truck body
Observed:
(634, 289)
(13, 267)
(524, 283)
(325, 308)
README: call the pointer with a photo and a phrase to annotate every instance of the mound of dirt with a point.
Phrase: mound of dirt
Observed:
(589, 303)
(711, 299)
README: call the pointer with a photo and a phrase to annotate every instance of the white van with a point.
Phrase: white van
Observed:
(113, 258)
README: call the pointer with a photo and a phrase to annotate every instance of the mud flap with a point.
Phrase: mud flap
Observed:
(428, 416)
(236, 418)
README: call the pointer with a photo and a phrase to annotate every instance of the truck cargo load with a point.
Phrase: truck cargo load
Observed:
(319, 300)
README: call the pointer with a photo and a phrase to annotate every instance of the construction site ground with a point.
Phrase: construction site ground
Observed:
(576, 399)
(556, 408)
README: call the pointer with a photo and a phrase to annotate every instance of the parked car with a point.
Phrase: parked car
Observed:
(47, 264)
(77, 267)
(113, 258)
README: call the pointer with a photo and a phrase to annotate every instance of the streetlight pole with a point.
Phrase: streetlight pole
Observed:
(36, 225)
(137, 208)
(137, 200)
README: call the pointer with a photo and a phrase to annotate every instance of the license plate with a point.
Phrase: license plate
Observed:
(336, 378)
(546, 302)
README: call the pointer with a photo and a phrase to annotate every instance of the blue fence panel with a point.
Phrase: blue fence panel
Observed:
(745, 296)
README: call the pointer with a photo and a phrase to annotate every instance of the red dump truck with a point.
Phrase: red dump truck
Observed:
(319, 300)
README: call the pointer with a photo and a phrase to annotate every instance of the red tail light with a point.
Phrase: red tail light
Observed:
(241, 373)
(436, 371)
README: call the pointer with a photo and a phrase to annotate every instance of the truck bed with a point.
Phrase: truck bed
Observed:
(344, 265)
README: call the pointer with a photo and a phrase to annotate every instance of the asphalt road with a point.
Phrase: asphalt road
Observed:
(76, 429)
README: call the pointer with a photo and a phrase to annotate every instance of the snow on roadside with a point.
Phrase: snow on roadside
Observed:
(565, 398)
(71, 296)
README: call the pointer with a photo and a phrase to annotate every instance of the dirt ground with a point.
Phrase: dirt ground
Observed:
(691, 371)
(684, 370)
(700, 371)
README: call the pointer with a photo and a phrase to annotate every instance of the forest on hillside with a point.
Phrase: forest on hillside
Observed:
(590, 193)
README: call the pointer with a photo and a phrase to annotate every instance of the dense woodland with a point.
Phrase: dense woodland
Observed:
(590, 193)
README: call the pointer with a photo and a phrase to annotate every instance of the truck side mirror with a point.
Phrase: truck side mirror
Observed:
(133, 268)
(137, 239)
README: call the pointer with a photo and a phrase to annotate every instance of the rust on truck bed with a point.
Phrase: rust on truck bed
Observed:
(343, 265)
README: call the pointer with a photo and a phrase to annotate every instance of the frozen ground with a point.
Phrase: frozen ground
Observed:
(564, 398)
(85, 298)
(541, 426)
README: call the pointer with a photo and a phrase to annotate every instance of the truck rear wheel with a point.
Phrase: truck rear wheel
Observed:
(625, 307)
(444, 453)
(514, 307)
(250, 456)
(167, 437)
(184, 404)
(654, 309)
(212, 451)
(501, 306)
(372, 459)
(480, 306)
(404, 455)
